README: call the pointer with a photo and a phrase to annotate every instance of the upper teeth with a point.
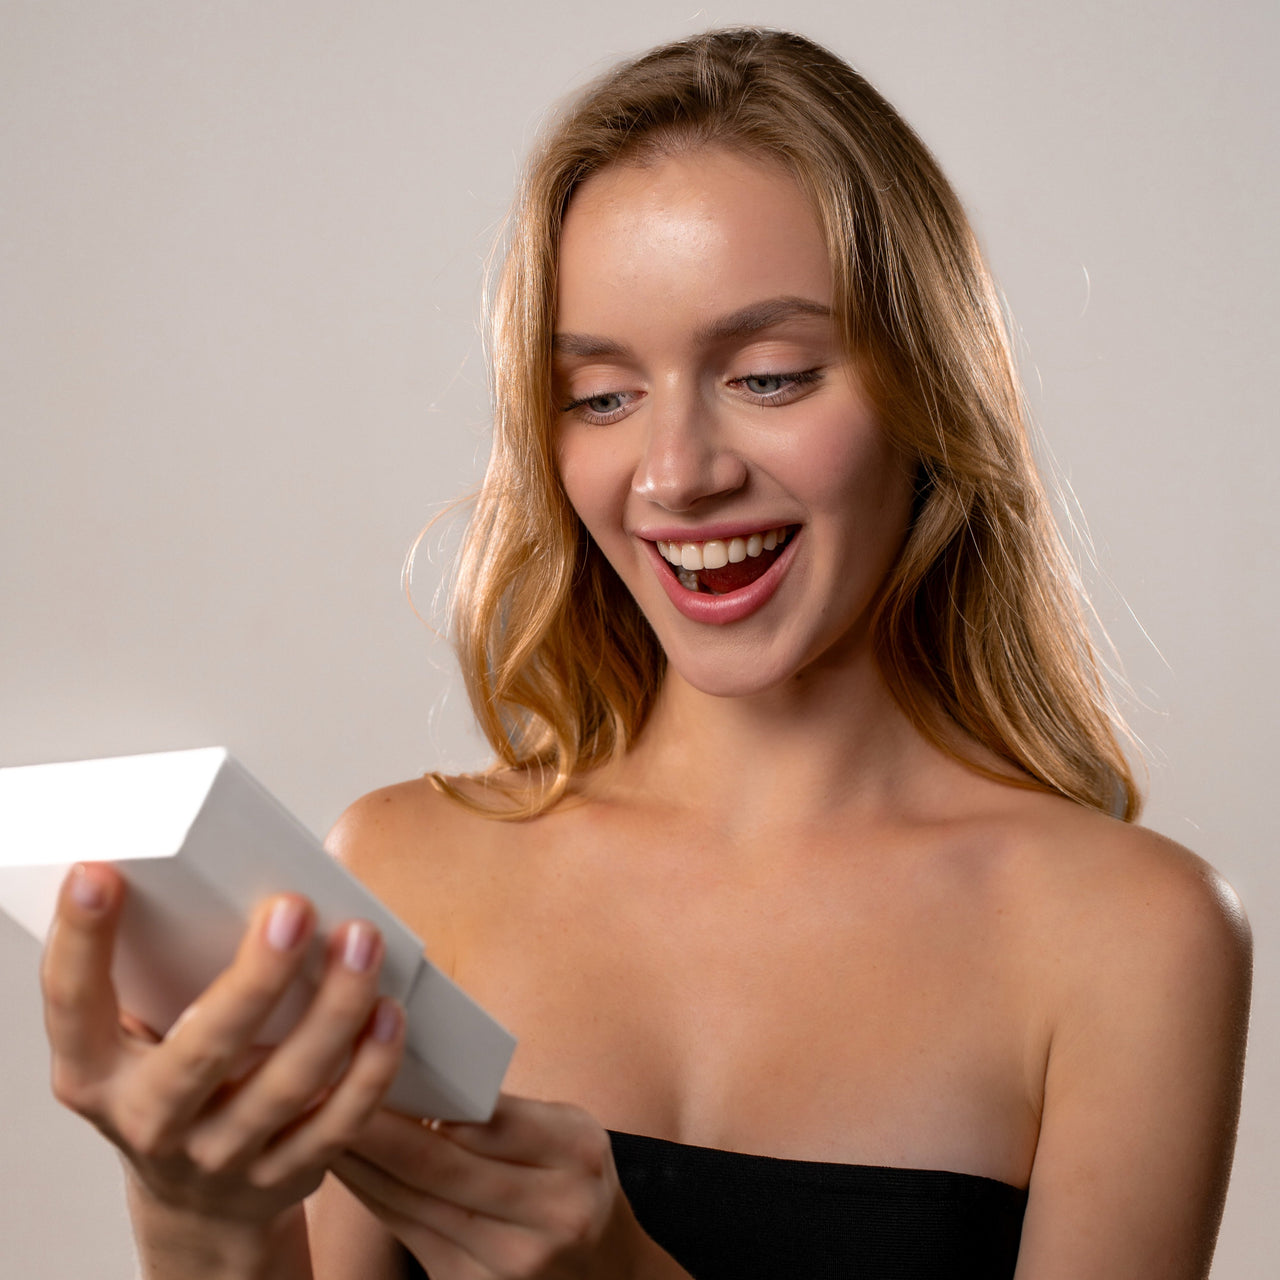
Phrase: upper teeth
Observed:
(717, 553)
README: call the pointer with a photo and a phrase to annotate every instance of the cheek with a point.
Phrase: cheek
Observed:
(850, 469)
(589, 475)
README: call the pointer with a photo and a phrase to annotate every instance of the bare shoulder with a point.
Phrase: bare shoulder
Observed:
(1117, 898)
(376, 830)
(418, 850)
(1139, 955)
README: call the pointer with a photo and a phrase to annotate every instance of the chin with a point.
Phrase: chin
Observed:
(734, 676)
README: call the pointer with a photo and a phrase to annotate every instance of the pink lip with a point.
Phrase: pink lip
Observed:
(736, 605)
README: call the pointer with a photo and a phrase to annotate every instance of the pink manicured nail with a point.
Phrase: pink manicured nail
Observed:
(386, 1022)
(284, 925)
(87, 892)
(359, 947)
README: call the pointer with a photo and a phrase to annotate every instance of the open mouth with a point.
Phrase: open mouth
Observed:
(720, 566)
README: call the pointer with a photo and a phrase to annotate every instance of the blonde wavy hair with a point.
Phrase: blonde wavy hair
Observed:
(980, 623)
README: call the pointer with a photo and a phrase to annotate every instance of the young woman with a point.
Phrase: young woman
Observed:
(806, 872)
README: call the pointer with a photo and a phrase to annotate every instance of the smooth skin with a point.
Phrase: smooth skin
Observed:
(783, 923)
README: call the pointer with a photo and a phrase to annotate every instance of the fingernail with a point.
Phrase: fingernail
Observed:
(359, 947)
(386, 1022)
(87, 892)
(284, 925)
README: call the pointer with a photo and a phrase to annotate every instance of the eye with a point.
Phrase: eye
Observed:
(776, 388)
(764, 384)
(610, 402)
(606, 407)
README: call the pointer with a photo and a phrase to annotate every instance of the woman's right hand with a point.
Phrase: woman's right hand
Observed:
(206, 1129)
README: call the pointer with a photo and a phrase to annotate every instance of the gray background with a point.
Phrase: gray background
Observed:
(241, 247)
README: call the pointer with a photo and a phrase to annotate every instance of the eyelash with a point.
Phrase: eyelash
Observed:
(780, 397)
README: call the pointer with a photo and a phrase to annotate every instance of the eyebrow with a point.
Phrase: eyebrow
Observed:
(743, 323)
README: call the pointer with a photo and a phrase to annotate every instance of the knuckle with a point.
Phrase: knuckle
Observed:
(366, 1081)
(298, 1165)
(588, 1144)
(62, 990)
(349, 996)
(573, 1220)
(348, 1011)
(211, 1154)
(323, 1155)
(265, 1174)
(201, 1061)
(331, 1131)
(262, 986)
(285, 1098)
(321, 1152)
(71, 1089)
(524, 1257)
(375, 1069)
(142, 1131)
(582, 1223)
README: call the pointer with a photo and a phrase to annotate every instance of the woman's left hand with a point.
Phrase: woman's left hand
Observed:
(533, 1193)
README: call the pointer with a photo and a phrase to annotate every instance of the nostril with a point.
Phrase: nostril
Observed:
(679, 482)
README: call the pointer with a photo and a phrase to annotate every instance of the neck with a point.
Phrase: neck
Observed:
(831, 739)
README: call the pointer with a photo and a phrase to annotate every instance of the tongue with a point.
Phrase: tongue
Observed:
(733, 577)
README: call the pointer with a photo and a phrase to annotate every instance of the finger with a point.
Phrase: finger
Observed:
(80, 1010)
(203, 1047)
(412, 1152)
(311, 1056)
(304, 1067)
(390, 1199)
(543, 1134)
(319, 1137)
(423, 1161)
(498, 1245)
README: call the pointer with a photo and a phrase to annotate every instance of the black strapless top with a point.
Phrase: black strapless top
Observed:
(727, 1216)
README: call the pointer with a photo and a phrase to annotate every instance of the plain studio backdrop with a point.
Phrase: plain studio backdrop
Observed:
(241, 251)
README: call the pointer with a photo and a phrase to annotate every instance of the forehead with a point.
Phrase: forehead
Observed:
(696, 234)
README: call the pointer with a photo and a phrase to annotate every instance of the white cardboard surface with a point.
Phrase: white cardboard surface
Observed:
(200, 842)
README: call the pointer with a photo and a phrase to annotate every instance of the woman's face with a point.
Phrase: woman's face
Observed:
(707, 410)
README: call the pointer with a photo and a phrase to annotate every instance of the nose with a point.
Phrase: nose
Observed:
(686, 459)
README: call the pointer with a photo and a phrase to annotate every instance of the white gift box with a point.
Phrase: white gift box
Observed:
(200, 842)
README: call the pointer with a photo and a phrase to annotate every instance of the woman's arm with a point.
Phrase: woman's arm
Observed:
(175, 1243)
(347, 1241)
(1142, 1089)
